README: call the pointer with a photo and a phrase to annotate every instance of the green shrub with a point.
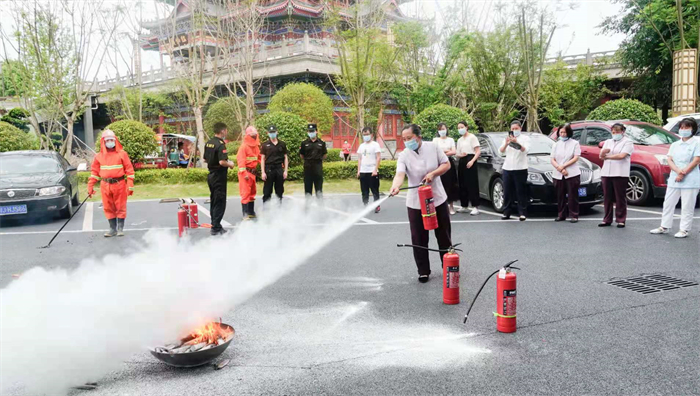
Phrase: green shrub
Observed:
(429, 119)
(14, 139)
(232, 148)
(17, 117)
(622, 109)
(334, 155)
(224, 110)
(137, 139)
(307, 101)
(290, 128)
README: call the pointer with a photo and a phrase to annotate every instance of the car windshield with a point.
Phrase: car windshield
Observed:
(539, 144)
(22, 165)
(648, 135)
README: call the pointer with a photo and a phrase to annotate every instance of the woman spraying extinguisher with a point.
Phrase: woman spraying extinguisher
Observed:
(423, 162)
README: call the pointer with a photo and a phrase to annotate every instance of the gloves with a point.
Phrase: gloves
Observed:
(130, 192)
(91, 192)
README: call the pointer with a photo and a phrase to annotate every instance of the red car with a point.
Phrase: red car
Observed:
(650, 168)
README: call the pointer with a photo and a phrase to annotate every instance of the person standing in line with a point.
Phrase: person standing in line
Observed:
(684, 181)
(515, 146)
(248, 158)
(313, 151)
(449, 178)
(616, 155)
(217, 161)
(468, 152)
(369, 155)
(274, 164)
(346, 151)
(567, 174)
(423, 162)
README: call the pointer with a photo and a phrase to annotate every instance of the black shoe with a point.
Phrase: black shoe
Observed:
(219, 232)
(620, 225)
(244, 209)
(251, 210)
(574, 220)
(559, 219)
(604, 225)
(505, 217)
(423, 278)
(112, 228)
(522, 218)
(120, 227)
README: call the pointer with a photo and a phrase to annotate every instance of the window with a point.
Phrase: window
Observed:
(596, 135)
(649, 135)
(336, 126)
(399, 125)
(577, 134)
(485, 148)
(387, 129)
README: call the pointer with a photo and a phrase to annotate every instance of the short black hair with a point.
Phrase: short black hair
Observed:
(619, 126)
(414, 128)
(463, 123)
(567, 128)
(442, 124)
(516, 122)
(367, 129)
(690, 123)
(180, 144)
(219, 127)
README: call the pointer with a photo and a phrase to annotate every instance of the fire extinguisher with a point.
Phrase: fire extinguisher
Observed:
(427, 205)
(192, 214)
(181, 221)
(450, 272)
(505, 298)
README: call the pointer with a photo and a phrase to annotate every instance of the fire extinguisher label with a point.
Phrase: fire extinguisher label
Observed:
(429, 206)
(509, 304)
(452, 281)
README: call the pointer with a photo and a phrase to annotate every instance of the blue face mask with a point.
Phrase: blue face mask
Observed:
(462, 131)
(272, 135)
(311, 135)
(516, 133)
(442, 132)
(685, 133)
(411, 144)
(366, 138)
(563, 138)
(617, 137)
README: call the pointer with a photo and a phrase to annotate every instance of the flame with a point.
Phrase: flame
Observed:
(209, 333)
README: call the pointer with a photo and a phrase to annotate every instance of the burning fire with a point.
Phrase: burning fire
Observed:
(203, 338)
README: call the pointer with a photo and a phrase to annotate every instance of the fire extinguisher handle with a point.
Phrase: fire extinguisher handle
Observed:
(509, 264)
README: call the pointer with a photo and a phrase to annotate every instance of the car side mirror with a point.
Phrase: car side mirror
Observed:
(600, 144)
(72, 169)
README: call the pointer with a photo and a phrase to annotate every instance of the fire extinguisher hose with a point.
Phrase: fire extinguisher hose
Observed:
(452, 248)
(189, 216)
(484, 284)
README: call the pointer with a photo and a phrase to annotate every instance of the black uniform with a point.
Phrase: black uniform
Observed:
(313, 152)
(215, 151)
(274, 168)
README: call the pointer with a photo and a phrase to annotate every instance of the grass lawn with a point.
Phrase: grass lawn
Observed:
(157, 191)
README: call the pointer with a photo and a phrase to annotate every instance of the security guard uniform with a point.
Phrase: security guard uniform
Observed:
(313, 150)
(215, 151)
(274, 166)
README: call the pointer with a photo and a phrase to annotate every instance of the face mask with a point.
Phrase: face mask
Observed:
(442, 132)
(110, 143)
(311, 135)
(366, 138)
(563, 138)
(412, 144)
(462, 131)
(685, 132)
(617, 137)
(272, 135)
(516, 133)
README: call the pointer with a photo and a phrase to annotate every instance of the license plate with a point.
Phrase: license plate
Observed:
(13, 209)
(582, 192)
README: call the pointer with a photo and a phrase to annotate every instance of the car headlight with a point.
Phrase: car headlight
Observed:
(535, 178)
(662, 158)
(596, 176)
(55, 190)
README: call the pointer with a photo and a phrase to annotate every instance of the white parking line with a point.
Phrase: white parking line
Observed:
(644, 211)
(364, 219)
(205, 212)
(87, 220)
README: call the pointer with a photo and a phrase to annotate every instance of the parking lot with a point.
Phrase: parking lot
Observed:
(354, 320)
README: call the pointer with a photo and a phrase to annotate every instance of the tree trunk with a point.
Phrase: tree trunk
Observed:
(67, 147)
(664, 112)
(200, 132)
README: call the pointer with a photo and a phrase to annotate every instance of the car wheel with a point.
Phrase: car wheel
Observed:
(637, 188)
(68, 211)
(497, 195)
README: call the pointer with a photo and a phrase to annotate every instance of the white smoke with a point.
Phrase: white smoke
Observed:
(61, 328)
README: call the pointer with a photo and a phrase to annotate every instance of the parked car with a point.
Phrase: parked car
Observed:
(649, 170)
(673, 123)
(37, 183)
(539, 179)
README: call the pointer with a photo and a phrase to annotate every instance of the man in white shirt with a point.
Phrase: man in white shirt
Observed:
(516, 147)
(423, 162)
(369, 155)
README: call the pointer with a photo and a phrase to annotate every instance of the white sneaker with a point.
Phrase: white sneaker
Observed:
(452, 211)
(475, 211)
(462, 210)
(659, 230)
(681, 234)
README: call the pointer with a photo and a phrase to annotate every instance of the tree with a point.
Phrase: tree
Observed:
(16, 117)
(292, 130)
(307, 101)
(569, 94)
(225, 110)
(652, 34)
(137, 139)
(126, 103)
(13, 139)
(622, 109)
(429, 119)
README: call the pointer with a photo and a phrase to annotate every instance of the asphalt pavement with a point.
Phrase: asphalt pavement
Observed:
(354, 320)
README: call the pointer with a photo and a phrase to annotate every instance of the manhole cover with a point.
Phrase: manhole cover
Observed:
(646, 284)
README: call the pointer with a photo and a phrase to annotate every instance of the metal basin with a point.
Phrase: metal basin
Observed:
(194, 359)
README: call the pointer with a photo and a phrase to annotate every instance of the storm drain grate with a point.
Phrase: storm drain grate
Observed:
(647, 284)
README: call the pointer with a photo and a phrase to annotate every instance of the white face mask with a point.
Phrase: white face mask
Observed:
(462, 131)
(685, 132)
(110, 144)
(442, 132)
(366, 138)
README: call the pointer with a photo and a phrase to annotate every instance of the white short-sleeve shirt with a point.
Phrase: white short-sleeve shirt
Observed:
(618, 168)
(683, 153)
(445, 144)
(368, 153)
(416, 165)
(466, 145)
(563, 152)
(517, 159)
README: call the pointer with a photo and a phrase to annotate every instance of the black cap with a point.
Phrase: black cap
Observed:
(312, 127)
(272, 128)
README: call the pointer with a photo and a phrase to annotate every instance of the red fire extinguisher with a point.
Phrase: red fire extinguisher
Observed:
(427, 207)
(505, 298)
(181, 222)
(192, 215)
(450, 272)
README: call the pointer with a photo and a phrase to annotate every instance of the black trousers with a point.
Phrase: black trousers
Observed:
(313, 178)
(614, 190)
(515, 185)
(419, 236)
(567, 205)
(217, 196)
(369, 182)
(468, 182)
(275, 179)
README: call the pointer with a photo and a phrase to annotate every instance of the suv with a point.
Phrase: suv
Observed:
(650, 168)
(674, 123)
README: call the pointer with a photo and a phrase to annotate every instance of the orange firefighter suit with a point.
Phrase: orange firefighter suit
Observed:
(248, 159)
(113, 169)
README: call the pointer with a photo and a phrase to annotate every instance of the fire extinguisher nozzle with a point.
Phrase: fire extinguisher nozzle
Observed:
(465, 319)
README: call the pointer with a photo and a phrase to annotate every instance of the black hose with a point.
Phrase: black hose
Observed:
(484, 284)
(66, 223)
(452, 248)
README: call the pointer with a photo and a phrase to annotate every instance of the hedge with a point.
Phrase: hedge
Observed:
(224, 110)
(307, 101)
(14, 139)
(333, 170)
(294, 159)
(137, 139)
(622, 109)
(429, 119)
